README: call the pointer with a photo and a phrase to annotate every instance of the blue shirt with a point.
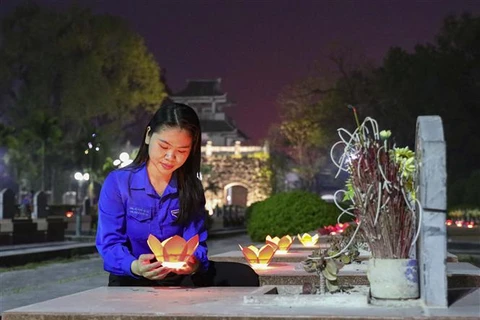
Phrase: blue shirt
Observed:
(129, 209)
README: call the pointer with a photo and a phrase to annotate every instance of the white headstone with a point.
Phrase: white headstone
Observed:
(40, 209)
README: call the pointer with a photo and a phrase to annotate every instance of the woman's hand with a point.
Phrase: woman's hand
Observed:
(152, 271)
(189, 267)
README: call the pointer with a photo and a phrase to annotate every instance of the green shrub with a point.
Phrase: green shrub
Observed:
(289, 213)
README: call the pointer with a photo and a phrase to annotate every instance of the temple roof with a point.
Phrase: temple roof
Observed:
(220, 126)
(198, 88)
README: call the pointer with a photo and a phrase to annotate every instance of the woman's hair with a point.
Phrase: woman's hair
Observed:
(191, 194)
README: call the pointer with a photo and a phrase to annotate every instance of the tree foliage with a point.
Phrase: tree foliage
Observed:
(67, 75)
(442, 79)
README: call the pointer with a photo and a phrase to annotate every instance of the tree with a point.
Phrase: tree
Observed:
(83, 73)
(313, 109)
(441, 79)
(301, 132)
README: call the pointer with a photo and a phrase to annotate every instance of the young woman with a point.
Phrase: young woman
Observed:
(160, 194)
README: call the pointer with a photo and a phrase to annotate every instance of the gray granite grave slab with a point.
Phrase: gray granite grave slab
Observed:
(132, 303)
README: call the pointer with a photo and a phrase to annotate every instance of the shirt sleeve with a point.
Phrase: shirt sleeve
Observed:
(194, 227)
(111, 236)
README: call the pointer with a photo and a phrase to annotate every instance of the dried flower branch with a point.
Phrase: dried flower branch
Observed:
(380, 188)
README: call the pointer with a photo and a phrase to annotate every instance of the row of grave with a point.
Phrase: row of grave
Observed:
(42, 222)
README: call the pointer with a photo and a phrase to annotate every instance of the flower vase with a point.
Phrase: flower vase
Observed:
(393, 278)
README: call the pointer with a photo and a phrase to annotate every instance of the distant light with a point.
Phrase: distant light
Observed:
(81, 176)
(86, 151)
(90, 145)
(126, 163)
(116, 162)
(328, 197)
(97, 149)
(124, 156)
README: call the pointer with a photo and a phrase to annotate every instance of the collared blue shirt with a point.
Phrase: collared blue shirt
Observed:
(129, 209)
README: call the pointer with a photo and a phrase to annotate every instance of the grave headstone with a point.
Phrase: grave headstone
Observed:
(40, 209)
(69, 197)
(86, 207)
(432, 194)
(7, 204)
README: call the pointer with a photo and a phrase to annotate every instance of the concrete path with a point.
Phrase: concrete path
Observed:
(24, 287)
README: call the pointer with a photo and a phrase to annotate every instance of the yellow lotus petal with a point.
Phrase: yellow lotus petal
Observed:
(307, 240)
(174, 249)
(192, 245)
(285, 242)
(250, 255)
(156, 247)
(265, 254)
(274, 240)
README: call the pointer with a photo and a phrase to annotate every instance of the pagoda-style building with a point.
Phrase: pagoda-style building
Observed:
(230, 170)
(209, 101)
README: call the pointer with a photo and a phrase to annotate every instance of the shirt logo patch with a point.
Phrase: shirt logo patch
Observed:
(175, 212)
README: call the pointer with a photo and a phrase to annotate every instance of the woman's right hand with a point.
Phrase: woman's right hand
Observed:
(152, 271)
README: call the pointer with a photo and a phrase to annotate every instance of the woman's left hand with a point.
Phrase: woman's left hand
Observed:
(190, 266)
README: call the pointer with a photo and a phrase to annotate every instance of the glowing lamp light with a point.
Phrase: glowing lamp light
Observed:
(283, 244)
(307, 240)
(69, 214)
(173, 252)
(258, 258)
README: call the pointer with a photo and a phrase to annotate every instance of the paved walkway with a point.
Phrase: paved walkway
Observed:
(23, 287)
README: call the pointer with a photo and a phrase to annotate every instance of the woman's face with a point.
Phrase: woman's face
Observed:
(168, 149)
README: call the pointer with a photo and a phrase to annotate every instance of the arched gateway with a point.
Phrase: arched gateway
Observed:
(235, 175)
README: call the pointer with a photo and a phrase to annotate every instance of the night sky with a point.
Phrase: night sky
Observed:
(258, 47)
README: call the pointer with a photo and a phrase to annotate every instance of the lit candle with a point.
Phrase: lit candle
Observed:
(307, 240)
(283, 244)
(173, 252)
(258, 258)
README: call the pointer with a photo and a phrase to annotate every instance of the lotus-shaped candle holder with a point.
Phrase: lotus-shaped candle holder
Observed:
(307, 240)
(282, 244)
(173, 252)
(258, 258)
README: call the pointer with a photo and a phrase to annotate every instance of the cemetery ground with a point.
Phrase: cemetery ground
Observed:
(21, 286)
(37, 282)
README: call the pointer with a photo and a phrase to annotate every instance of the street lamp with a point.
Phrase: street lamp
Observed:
(123, 160)
(80, 177)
